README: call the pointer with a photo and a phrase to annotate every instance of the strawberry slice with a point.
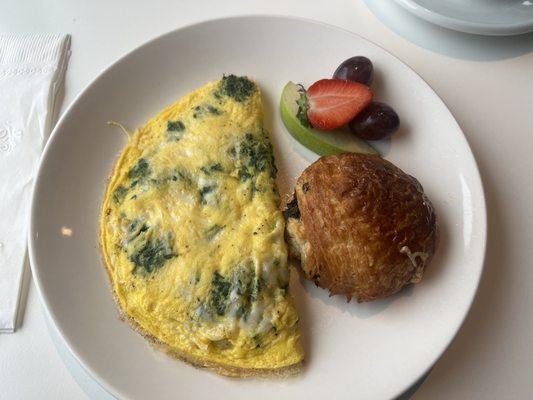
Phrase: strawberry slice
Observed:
(334, 102)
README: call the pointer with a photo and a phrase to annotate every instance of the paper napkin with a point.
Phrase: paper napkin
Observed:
(32, 68)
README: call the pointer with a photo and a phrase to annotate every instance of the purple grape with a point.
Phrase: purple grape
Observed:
(376, 121)
(356, 69)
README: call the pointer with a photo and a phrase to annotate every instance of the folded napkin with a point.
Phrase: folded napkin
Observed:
(32, 68)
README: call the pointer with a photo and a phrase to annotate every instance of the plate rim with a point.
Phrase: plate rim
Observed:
(95, 376)
(463, 25)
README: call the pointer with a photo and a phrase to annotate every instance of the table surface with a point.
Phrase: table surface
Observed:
(486, 82)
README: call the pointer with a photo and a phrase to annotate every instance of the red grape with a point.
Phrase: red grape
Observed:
(376, 121)
(356, 69)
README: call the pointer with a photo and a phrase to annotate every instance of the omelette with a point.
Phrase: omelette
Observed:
(193, 239)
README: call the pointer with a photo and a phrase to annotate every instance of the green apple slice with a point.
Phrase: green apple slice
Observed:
(321, 142)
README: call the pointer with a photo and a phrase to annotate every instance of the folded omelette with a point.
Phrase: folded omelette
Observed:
(193, 240)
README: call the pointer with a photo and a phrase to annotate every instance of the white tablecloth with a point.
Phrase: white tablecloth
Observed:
(486, 82)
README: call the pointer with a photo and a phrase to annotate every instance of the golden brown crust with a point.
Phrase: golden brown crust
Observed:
(371, 229)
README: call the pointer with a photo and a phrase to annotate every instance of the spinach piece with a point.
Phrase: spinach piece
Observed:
(242, 281)
(248, 286)
(141, 170)
(219, 295)
(257, 340)
(166, 179)
(258, 154)
(213, 110)
(208, 169)
(197, 112)
(242, 311)
(204, 191)
(216, 167)
(180, 174)
(135, 229)
(237, 87)
(257, 287)
(243, 174)
(200, 111)
(175, 126)
(119, 194)
(253, 155)
(175, 130)
(152, 255)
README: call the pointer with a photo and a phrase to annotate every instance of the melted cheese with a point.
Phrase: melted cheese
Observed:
(192, 235)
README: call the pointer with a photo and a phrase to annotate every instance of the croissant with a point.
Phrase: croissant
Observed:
(360, 226)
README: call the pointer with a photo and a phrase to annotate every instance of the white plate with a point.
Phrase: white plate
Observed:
(370, 351)
(484, 17)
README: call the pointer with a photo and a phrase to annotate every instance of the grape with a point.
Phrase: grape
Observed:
(376, 121)
(356, 69)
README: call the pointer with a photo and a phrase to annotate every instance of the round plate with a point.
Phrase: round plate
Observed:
(484, 17)
(371, 351)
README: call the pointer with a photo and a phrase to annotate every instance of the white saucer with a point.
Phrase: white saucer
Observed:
(484, 17)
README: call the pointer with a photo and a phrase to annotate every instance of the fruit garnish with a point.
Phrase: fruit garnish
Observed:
(356, 69)
(334, 102)
(375, 122)
(322, 143)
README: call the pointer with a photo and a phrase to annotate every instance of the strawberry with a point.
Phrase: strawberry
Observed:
(332, 103)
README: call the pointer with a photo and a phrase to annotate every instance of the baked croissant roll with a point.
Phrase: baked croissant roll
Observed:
(360, 226)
